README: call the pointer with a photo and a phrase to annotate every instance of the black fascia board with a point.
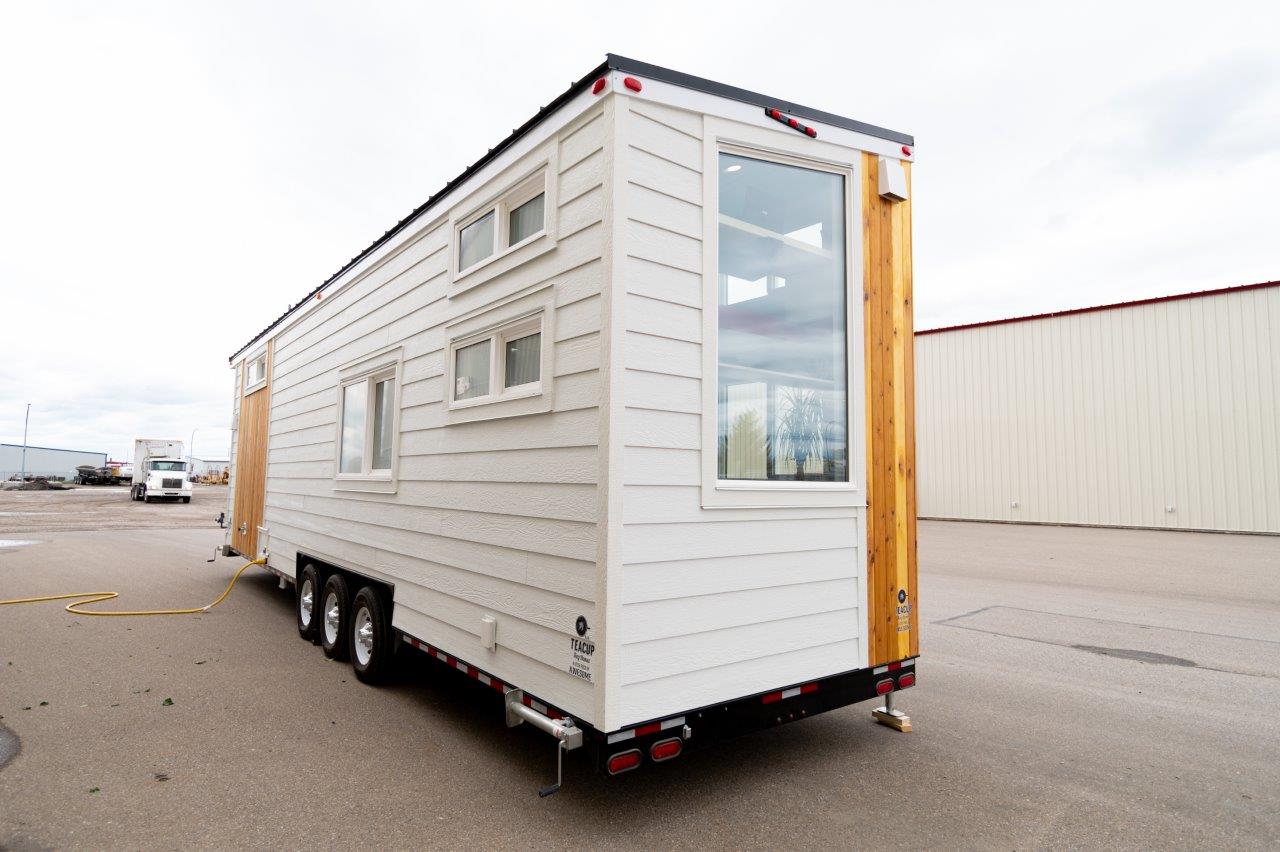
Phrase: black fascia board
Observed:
(711, 87)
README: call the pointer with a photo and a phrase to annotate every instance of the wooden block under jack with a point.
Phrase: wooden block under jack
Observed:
(895, 719)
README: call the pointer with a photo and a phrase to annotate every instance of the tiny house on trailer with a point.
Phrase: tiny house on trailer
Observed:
(619, 422)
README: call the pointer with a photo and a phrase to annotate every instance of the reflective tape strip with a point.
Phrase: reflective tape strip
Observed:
(480, 675)
(646, 730)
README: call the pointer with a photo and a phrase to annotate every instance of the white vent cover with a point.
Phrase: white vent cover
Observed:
(893, 179)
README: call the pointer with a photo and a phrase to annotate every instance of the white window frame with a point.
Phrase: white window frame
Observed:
(255, 384)
(369, 371)
(722, 136)
(526, 190)
(498, 338)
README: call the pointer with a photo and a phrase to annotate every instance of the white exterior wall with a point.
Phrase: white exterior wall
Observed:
(493, 517)
(714, 604)
(46, 461)
(1157, 415)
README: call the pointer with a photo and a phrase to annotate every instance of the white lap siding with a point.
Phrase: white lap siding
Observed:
(715, 603)
(494, 517)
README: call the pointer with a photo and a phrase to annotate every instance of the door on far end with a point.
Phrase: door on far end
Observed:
(251, 454)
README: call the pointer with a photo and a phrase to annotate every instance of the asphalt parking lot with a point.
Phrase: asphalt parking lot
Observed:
(1078, 687)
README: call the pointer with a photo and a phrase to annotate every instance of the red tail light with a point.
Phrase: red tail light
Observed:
(906, 679)
(666, 749)
(624, 761)
(885, 686)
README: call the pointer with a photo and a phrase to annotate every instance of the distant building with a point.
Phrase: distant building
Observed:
(1155, 413)
(46, 461)
(204, 467)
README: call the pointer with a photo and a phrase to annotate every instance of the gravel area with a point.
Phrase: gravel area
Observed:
(103, 507)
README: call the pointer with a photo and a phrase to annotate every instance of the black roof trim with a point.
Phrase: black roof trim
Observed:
(733, 93)
(612, 62)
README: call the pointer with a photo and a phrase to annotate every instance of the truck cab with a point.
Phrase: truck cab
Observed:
(166, 478)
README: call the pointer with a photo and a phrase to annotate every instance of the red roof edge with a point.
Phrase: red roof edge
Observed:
(1176, 297)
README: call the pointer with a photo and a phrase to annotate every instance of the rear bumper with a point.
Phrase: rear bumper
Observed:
(723, 721)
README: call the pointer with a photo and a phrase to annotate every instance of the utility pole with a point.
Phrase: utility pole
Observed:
(22, 477)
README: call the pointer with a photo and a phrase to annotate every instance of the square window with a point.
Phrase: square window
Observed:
(471, 371)
(524, 360)
(475, 242)
(526, 220)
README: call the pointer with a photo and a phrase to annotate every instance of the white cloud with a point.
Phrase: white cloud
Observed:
(172, 177)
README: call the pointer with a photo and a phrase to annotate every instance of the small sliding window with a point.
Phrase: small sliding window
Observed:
(517, 218)
(500, 364)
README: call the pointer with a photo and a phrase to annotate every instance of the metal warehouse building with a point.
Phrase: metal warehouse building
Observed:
(46, 461)
(1156, 413)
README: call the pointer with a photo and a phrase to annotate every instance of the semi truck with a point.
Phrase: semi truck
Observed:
(159, 471)
(618, 423)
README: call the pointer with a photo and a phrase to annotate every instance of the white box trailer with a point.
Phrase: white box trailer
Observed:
(619, 422)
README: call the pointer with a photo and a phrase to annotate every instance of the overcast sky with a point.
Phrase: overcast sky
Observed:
(173, 175)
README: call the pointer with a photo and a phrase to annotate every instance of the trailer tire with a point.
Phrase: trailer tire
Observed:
(372, 642)
(186, 499)
(307, 604)
(335, 614)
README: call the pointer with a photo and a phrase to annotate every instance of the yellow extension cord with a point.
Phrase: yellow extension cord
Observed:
(99, 597)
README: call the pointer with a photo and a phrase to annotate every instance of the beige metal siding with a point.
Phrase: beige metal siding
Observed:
(1157, 415)
(492, 517)
(714, 603)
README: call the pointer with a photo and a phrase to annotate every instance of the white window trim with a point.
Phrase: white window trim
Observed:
(259, 355)
(527, 189)
(774, 146)
(498, 337)
(538, 177)
(369, 371)
(514, 315)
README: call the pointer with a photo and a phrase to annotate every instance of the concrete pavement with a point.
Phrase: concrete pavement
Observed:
(1078, 688)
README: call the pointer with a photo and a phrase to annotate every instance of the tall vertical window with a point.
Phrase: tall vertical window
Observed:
(367, 439)
(354, 413)
(782, 382)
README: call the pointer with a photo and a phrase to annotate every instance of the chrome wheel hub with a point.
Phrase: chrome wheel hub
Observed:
(331, 618)
(306, 603)
(363, 634)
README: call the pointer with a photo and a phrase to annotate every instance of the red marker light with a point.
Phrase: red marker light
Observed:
(666, 749)
(632, 83)
(775, 114)
(599, 86)
(791, 122)
(809, 131)
(906, 150)
(624, 761)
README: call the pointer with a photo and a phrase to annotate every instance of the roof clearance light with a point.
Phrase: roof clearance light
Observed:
(624, 761)
(599, 86)
(776, 115)
(906, 150)
(632, 83)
